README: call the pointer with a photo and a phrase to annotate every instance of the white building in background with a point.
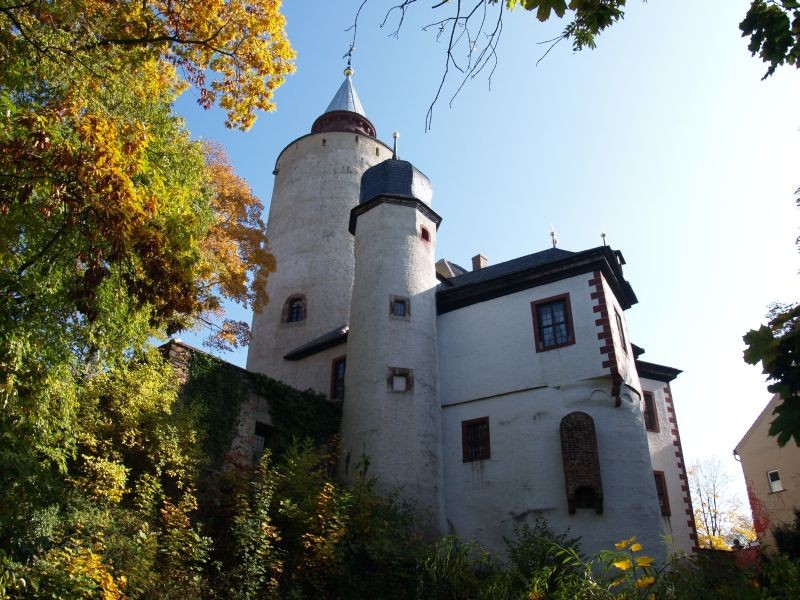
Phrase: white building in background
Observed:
(491, 397)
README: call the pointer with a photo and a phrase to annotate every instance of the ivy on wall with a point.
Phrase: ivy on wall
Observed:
(215, 391)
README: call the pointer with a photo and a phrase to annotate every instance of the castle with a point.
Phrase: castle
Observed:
(490, 397)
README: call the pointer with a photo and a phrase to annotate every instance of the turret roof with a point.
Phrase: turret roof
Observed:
(346, 97)
(345, 112)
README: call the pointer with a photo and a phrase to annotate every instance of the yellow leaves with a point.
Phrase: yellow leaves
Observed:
(235, 247)
(644, 582)
(102, 479)
(636, 547)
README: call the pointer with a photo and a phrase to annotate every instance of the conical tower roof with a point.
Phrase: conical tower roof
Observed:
(346, 98)
(345, 112)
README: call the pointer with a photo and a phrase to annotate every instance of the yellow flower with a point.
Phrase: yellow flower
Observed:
(617, 582)
(636, 547)
(623, 565)
(644, 561)
(625, 543)
(645, 582)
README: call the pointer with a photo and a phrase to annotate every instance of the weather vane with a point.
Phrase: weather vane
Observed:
(603, 233)
(395, 135)
(553, 236)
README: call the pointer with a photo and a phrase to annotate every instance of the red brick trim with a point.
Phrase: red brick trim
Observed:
(681, 464)
(604, 326)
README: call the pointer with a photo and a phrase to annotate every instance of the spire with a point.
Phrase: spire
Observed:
(346, 98)
(345, 112)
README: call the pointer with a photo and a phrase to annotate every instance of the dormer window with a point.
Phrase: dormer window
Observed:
(295, 309)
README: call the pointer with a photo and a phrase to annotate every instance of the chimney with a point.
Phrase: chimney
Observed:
(479, 261)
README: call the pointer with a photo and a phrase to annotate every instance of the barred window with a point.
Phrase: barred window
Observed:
(475, 439)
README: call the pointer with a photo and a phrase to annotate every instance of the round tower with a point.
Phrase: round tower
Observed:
(391, 422)
(317, 178)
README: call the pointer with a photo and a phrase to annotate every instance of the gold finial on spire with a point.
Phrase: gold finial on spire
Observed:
(348, 71)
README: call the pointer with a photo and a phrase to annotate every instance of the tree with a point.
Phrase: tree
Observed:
(718, 517)
(774, 30)
(473, 29)
(116, 227)
(776, 346)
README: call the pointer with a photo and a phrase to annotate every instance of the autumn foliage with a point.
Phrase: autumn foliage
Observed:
(116, 227)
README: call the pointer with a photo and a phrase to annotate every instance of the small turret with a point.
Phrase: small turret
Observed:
(391, 412)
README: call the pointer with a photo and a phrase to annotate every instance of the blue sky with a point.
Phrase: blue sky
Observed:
(664, 135)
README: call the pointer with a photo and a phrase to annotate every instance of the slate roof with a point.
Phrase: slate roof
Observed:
(394, 177)
(323, 342)
(523, 263)
(346, 99)
(530, 271)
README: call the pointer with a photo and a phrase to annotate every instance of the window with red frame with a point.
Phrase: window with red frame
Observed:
(661, 488)
(475, 439)
(552, 323)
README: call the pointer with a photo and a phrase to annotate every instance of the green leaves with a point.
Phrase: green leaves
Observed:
(777, 347)
(774, 30)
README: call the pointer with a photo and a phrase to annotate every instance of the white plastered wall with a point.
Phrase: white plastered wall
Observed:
(663, 454)
(317, 184)
(489, 367)
(398, 432)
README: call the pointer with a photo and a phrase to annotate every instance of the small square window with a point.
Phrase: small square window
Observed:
(400, 307)
(649, 411)
(552, 323)
(661, 489)
(775, 484)
(400, 380)
(475, 443)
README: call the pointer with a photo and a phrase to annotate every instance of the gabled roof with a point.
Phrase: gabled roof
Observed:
(767, 413)
(532, 270)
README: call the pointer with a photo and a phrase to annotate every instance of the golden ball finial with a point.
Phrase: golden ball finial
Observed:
(348, 72)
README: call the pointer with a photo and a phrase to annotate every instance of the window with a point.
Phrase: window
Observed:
(775, 484)
(581, 463)
(399, 307)
(337, 378)
(621, 330)
(650, 414)
(661, 489)
(475, 439)
(425, 234)
(264, 435)
(400, 380)
(294, 310)
(552, 323)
